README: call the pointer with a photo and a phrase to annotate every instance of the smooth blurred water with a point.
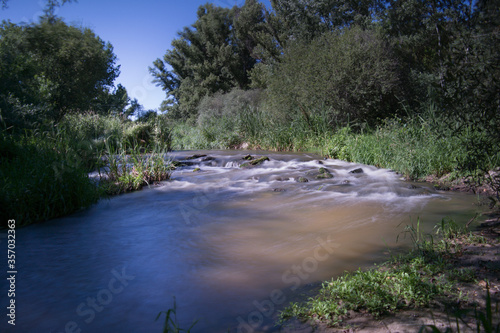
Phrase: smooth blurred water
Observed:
(233, 245)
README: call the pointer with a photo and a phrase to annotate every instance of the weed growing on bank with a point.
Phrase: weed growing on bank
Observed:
(416, 145)
(171, 323)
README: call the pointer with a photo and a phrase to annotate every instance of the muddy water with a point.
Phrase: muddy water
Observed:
(232, 244)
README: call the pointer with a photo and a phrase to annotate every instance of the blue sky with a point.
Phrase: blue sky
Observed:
(140, 32)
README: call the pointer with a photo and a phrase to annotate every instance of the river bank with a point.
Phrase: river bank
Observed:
(488, 186)
(469, 265)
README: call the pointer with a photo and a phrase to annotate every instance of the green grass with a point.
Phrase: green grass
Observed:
(44, 172)
(421, 143)
(171, 323)
(127, 169)
(415, 146)
(414, 151)
(41, 181)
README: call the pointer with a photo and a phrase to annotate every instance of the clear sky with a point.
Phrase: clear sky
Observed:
(140, 32)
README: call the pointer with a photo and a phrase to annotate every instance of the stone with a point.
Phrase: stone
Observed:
(358, 170)
(254, 162)
(324, 174)
(195, 156)
(280, 179)
(259, 160)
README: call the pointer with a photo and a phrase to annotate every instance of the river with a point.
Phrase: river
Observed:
(233, 245)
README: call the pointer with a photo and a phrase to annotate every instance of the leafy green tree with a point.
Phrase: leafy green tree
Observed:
(134, 109)
(422, 30)
(254, 32)
(111, 101)
(308, 19)
(51, 4)
(470, 94)
(205, 59)
(349, 77)
(55, 66)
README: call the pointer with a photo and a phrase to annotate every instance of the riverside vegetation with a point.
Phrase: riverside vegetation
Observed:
(357, 82)
(412, 86)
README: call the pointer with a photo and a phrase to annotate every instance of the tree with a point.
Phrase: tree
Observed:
(111, 101)
(423, 29)
(254, 32)
(134, 109)
(308, 19)
(205, 59)
(470, 93)
(51, 4)
(55, 66)
(349, 77)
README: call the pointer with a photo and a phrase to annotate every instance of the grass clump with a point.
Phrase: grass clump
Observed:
(374, 291)
(377, 291)
(130, 172)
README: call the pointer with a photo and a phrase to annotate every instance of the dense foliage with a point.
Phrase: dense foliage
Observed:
(354, 76)
(420, 72)
(49, 69)
(205, 59)
(411, 85)
(61, 116)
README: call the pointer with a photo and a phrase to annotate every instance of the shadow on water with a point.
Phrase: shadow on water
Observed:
(233, 245)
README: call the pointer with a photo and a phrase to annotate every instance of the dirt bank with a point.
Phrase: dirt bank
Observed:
(470, 185)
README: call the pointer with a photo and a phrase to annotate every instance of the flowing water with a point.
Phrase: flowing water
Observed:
(233, 245)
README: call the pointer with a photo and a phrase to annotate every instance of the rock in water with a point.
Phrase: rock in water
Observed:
(195, 156)
(254, 162)
(324, 174)
(259, 160)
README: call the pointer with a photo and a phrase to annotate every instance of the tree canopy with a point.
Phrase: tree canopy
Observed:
(206, 58)
(51, 68)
